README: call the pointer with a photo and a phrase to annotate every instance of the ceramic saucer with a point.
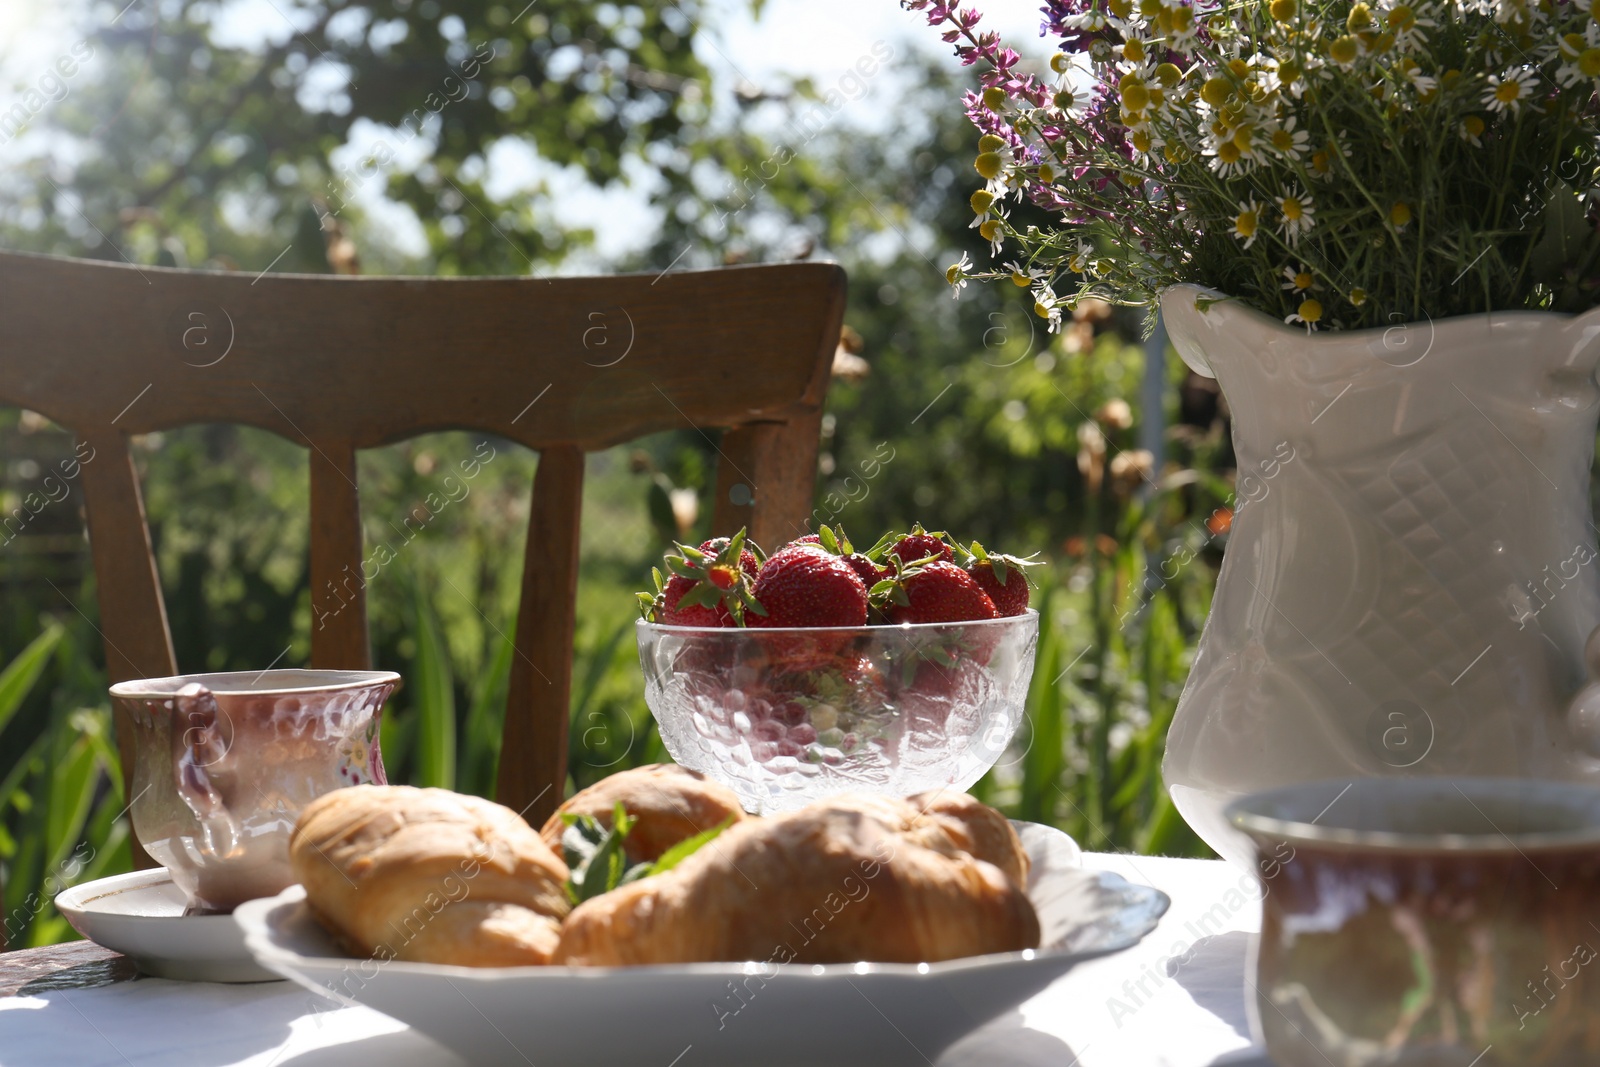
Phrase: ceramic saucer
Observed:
(141, 916)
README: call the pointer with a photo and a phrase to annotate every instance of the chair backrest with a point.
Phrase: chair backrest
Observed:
(562, 365)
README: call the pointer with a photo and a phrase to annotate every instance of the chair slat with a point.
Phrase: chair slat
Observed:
(765, 479)
(533, 753)
(767, 473)
(737, 455)
(133, 616)
(564, 361)
(338, 587)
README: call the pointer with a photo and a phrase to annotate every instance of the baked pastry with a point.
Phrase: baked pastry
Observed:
(978, 829)
(854, 877)
(430, 876)
(671, 803)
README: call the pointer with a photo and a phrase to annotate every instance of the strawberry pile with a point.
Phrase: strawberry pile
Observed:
(823, 673)
(821, 580)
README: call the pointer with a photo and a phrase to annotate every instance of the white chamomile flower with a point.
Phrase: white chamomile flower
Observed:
(1564, 49)
(1509, 93)
(1299, 214)
(1409, 22)
(1308, 314)
(1299, 280)
(1143, 140)
(997, 190)
(1091, 21)
(1080, 261)
(1048, 307)
(1247, 223)
(957, 275)
(1424, 84)
(1290, 143)
(1471, 130)
(1346, 51)
(998, 239)
(1227, 156)
(1022, 275)
(1182, 29)
(1579, 55)
(1136, 52)
(1507, 12)
(1411, 71)
(1292, 76)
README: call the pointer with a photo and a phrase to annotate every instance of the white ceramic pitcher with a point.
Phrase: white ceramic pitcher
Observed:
(1409, 586)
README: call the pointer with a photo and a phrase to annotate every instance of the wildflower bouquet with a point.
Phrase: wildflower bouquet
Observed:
(1338, 164)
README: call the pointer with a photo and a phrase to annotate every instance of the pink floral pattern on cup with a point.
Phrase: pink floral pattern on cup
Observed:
(360, 761)
(223, 764)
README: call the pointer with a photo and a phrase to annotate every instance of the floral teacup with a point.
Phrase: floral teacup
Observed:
(223, 763)
(1428, 922)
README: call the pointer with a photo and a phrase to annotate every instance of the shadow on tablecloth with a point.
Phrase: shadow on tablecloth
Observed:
(1219, 988)
(402, 1047)
(1008, 1042)
(1214, 977)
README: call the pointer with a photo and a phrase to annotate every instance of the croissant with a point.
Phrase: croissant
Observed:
(978, 829)
(430, 876)
(670, 802)
(850, 878)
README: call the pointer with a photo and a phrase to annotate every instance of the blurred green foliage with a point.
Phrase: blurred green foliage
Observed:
(188, 143)
(966, 416)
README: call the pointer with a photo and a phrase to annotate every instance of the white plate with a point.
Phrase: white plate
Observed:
(711, 1013)
(141, 916)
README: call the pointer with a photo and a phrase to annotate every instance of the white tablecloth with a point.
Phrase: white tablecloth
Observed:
(1175, 1000)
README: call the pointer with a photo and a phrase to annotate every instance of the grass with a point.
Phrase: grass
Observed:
(62, 816)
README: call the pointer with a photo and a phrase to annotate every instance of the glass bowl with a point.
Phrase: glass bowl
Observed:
(787, 716)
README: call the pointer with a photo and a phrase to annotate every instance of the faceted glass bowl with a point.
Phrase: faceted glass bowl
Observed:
(787, 716)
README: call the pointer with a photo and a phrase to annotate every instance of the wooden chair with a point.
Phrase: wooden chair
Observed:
(564, 366)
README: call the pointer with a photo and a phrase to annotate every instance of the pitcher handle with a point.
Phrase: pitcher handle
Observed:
(200, 747)
(1583, 714)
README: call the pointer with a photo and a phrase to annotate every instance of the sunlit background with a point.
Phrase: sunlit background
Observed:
(749, 47)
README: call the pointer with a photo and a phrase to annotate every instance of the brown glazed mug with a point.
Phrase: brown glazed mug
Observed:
(1428, 922)
(223, 763)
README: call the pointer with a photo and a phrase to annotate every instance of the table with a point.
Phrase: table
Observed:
(1175, 1000)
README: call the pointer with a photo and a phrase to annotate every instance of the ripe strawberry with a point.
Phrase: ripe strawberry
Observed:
(669, 612)
(835, 542)
(940, 690)
(804, 587)
(869, 572)
(938, 592)
(708, 586)
(715, 548)
(1009, 594)
(865, 683)
(919, 544)
(1004, 578)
